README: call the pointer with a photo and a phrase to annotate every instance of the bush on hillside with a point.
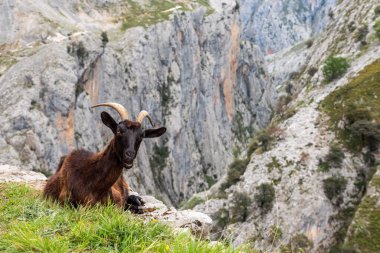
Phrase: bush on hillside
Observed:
(377, 29)
(361, 34)
(265, 196)
(335, 156)
(334, 67)
(334, 186)
(300, 243)
(239, 210)
(368, 132)
(377, 10)
(235, 170)
(264, 138)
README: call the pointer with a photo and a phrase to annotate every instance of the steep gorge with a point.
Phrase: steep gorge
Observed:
(191, 72)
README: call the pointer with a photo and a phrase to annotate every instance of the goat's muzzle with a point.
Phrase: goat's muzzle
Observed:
(128, 165)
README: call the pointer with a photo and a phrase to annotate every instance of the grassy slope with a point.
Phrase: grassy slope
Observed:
(363, 92)
(30, 224)
(155, 11)
(364, 233)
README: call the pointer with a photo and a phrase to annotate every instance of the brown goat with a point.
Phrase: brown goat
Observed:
(88, 178)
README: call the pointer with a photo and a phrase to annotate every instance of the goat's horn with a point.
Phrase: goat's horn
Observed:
(142, 115)
(118, 107)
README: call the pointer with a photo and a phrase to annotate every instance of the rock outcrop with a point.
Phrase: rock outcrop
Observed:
(12, 174)
(276, 25)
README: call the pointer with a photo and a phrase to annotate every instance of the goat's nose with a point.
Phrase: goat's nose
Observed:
(130, 153)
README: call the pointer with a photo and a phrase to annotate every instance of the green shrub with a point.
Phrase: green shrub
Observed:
(300, 243)
(335, 156)
(235, 170)
(377, 29)
(282, 102)
(361, 34)
(158, 159)
(377, 10)
(312, 71)
(191, 203)
(275, 233)
(264, 138)
(334, 67)
(366, 131)
(239, 210)
(221, 218)
(351, 26)
(265, 196)
(334, 186)
(78, 50)
(323, 166)
(309, 43)
(104, 38)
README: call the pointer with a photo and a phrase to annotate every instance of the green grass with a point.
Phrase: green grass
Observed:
(364, 233)
(155, 11)
(191, 203)
(361, 93)
(30, 224)
(377, 29)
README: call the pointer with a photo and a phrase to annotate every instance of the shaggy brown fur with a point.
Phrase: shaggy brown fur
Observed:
(87, 178)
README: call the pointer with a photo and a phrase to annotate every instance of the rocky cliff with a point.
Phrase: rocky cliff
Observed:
(281, 194)
(276, 25)
(184, 63)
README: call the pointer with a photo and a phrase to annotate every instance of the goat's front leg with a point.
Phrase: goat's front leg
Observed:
(134, 204)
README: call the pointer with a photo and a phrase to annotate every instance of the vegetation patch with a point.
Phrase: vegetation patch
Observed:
(334, 68)
(241, 131)
(155, 11)
(235, 170)
(334, 158)
(79, 51)
(191, 203)
(357, 106)
(158, 160)
(274, 164)
(377, 10)
(104, 37)
(364, 233)
(30, 224)
(239, 210)
(265, 196)
(377, 29)
(361, 34)
(300, 243)
(275, 234)
(333, 187)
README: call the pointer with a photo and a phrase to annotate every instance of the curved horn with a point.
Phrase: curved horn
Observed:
(118, 107)
(142, 115)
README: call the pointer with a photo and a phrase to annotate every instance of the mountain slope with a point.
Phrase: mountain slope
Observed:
(286, 196)
(190, 72)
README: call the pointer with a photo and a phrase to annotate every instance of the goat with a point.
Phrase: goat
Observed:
(87, 178)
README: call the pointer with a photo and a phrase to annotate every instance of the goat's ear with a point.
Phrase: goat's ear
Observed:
(154, 132)
(109, 121)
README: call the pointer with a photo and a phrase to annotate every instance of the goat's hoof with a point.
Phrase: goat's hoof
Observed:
(135, 204)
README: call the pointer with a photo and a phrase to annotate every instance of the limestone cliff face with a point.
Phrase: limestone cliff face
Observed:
(191, 73)
(276, 25)
(301, 211)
